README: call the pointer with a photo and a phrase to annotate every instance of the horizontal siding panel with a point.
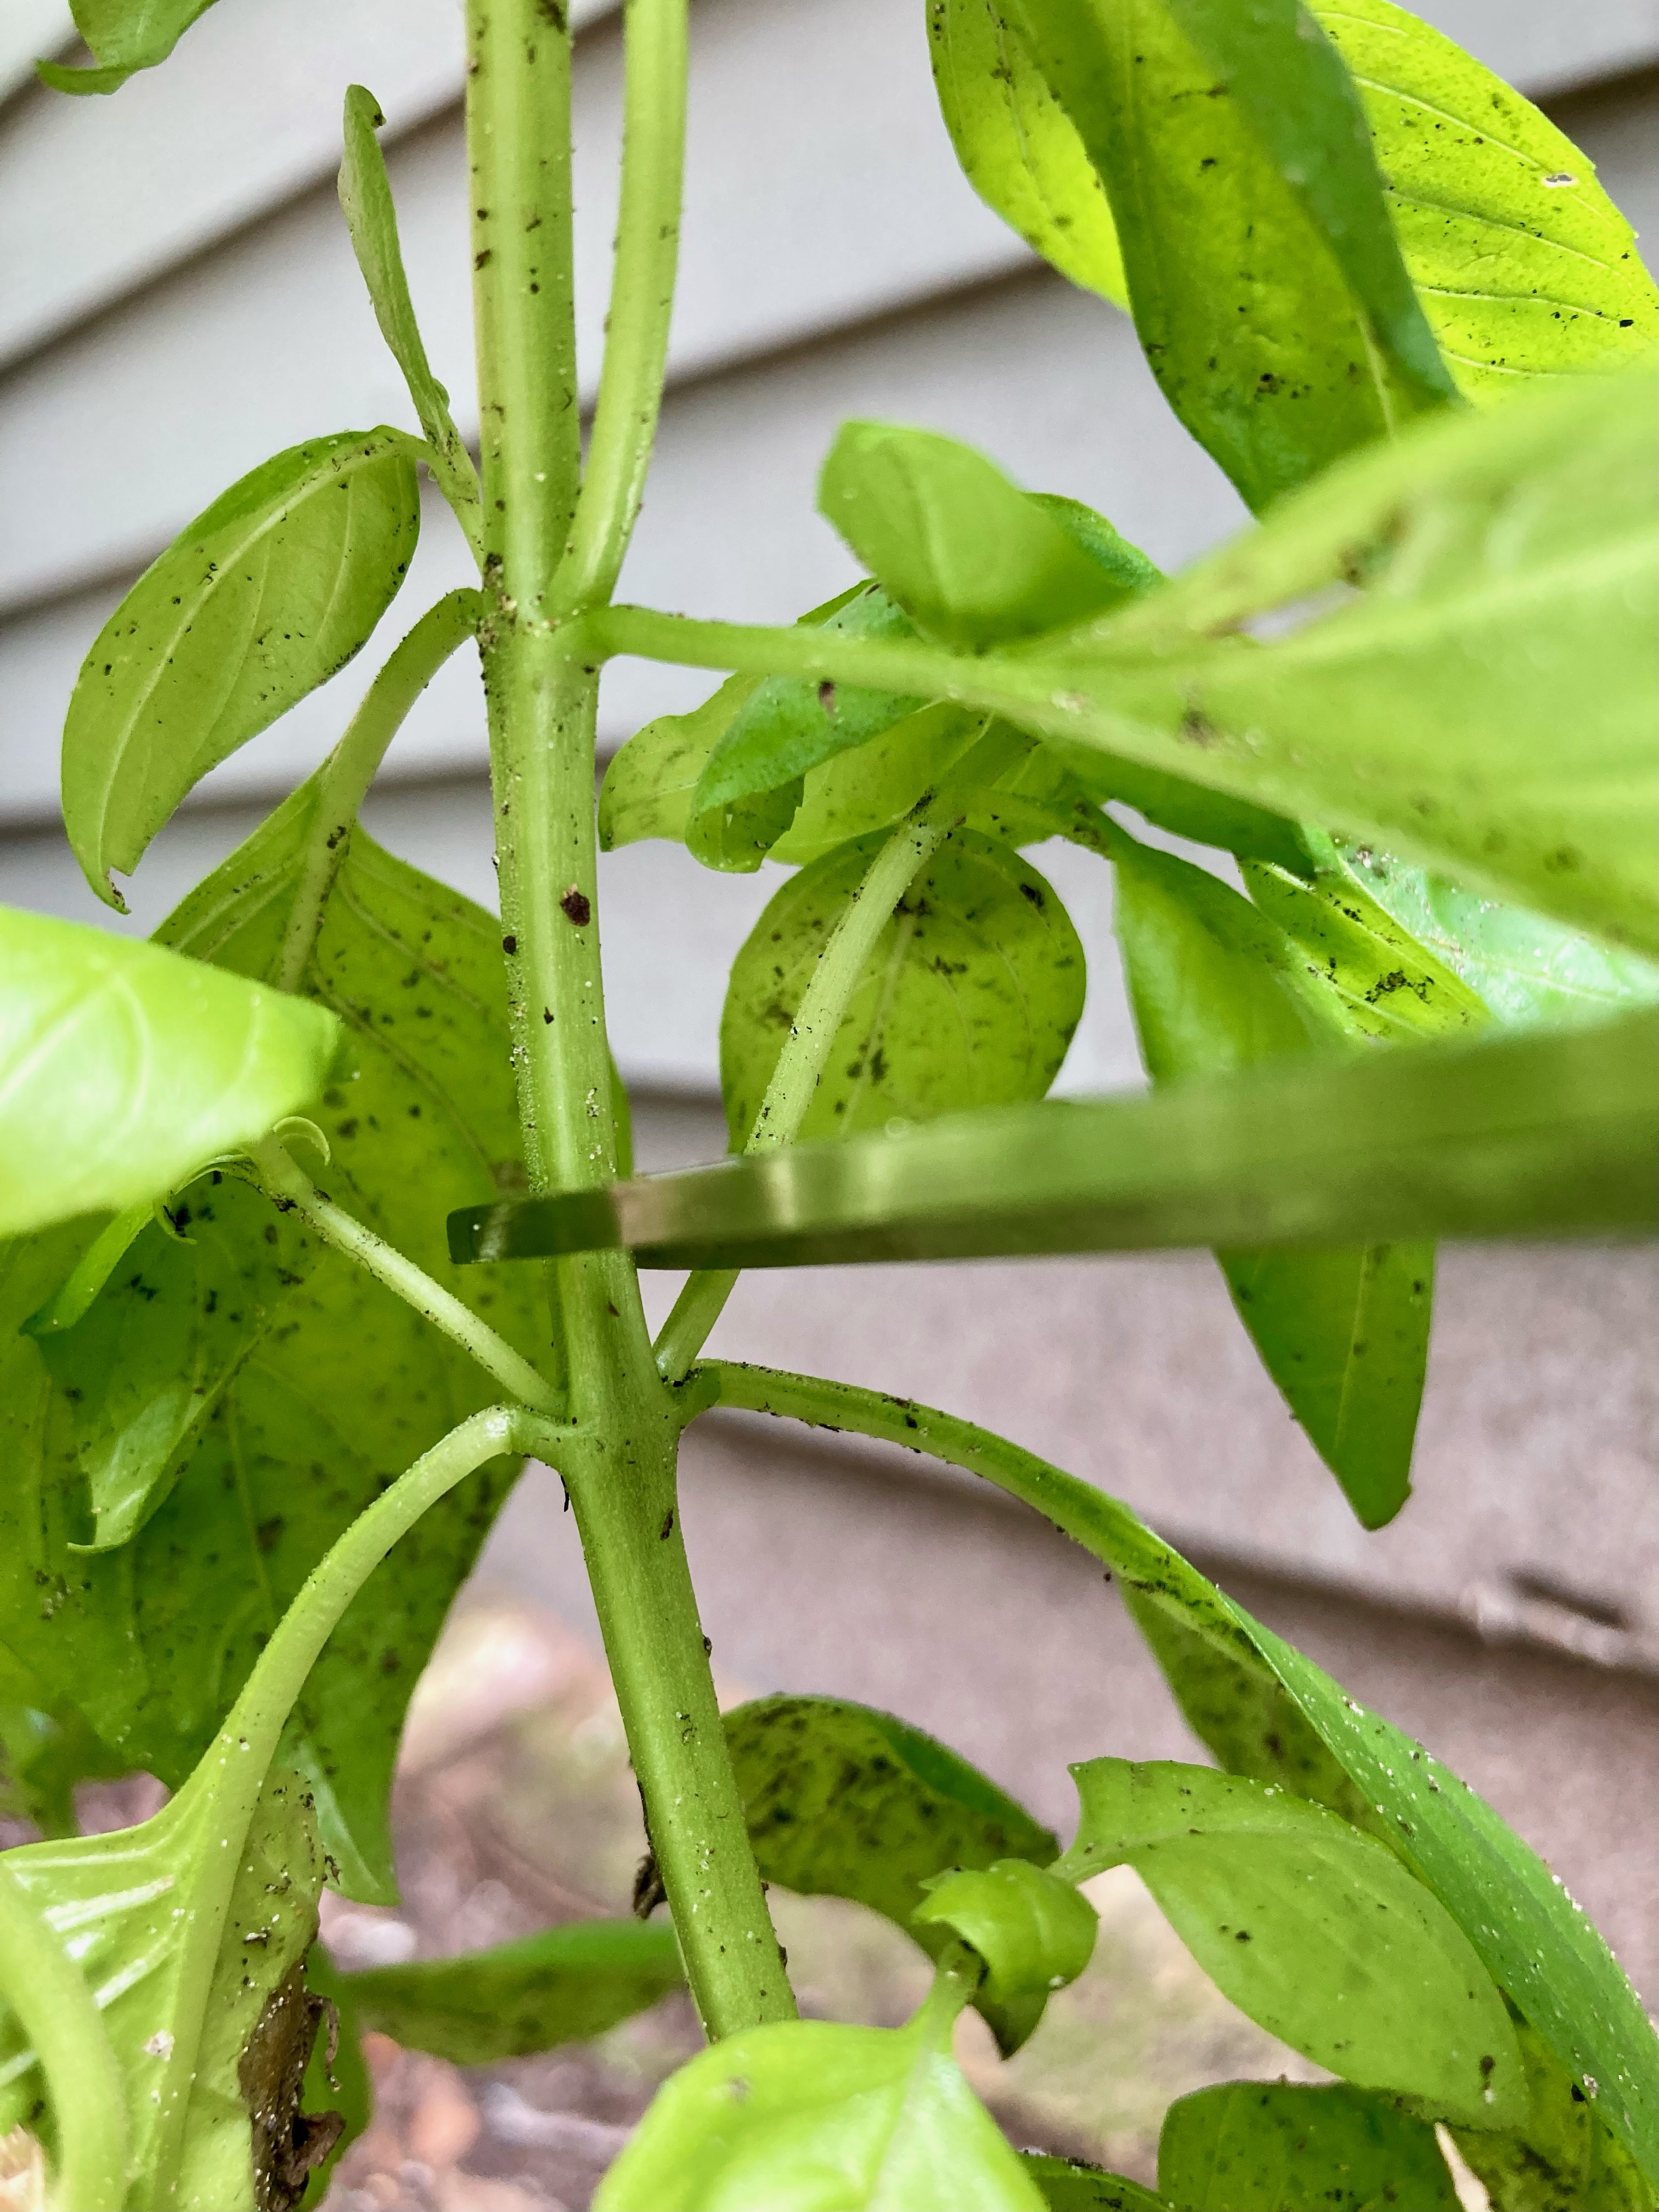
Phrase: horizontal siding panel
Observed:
(1045, 377)
(801, 215)
(96, 195)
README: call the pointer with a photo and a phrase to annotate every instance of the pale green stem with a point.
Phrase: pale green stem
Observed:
(253, 1728)
(542, 696)
(641, 303)
(58, 2015)
(800, 1063)
(349, 769)
(1076, 1508)
(292, 1189)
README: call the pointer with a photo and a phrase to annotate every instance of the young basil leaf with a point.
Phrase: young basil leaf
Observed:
(971, 997)
(1018, 148)
(1265, 281)
(1217, 985)
(786, 726)
(123, 1067)
(1510, 558)
(264, 597)
(1565, 2158)
(563, 1985)
(366, 201)
(842, 1801)
(854, 794)
(1070, 2186)
(648, 786)
(1524, 967)
(1533, 1941)
(1282, 2146)
(971, 558)
(123, 38)
(1314, 1930)
(192, 1928)
(345, 1388)
(1523, 265)
(734, 836)
(807, 2113)
(139, 1375)
(1035, 1934)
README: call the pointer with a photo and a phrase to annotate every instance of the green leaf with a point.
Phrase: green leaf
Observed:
(1316, 1931)
(1280, 2147)
(1510, 560)
(1018, 148)
(191, 1929)
(971, 558)
(336, 2081)
(842, 1801)
(1035, 1934)
(1245, 1714)
(125, 36)
(648, 786)
(1217, 986)
(1566, 2159)
(1262, 271)
(264, 597)
(563, 1985)
(123, 1067)
(856, 792)
(784, 726)
(45, 1748)
(1517, 1137)
(971, 996)
(1524, 967)
(804, 2115)
(1523, 265)
(1533, 1941)
(141, 1374)
(347, 1386)
(1068, 2186)
(366, 201)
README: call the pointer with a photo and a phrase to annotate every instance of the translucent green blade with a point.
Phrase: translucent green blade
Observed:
(1553, 1135)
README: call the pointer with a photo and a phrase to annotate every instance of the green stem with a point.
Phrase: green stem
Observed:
(292, 1189)
(1089, 1517)
(58, 2015)
(349, 769)
(641, 302)
(542, 694)
(919, 671)
(247, 1742)
(800, 1063)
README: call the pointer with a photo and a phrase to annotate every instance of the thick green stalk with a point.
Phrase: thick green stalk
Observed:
(54, 2005)
(541, 691)
(641, 302)
(795, 1078)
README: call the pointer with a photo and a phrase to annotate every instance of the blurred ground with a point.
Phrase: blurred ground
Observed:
(515, 1808)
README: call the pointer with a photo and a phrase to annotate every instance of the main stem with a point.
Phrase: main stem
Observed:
(541, 693)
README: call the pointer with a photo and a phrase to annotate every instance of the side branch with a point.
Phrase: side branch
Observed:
(1089, 1517)
(806, 1048)
(289, 1187)
(350, 768)
(641, 303)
